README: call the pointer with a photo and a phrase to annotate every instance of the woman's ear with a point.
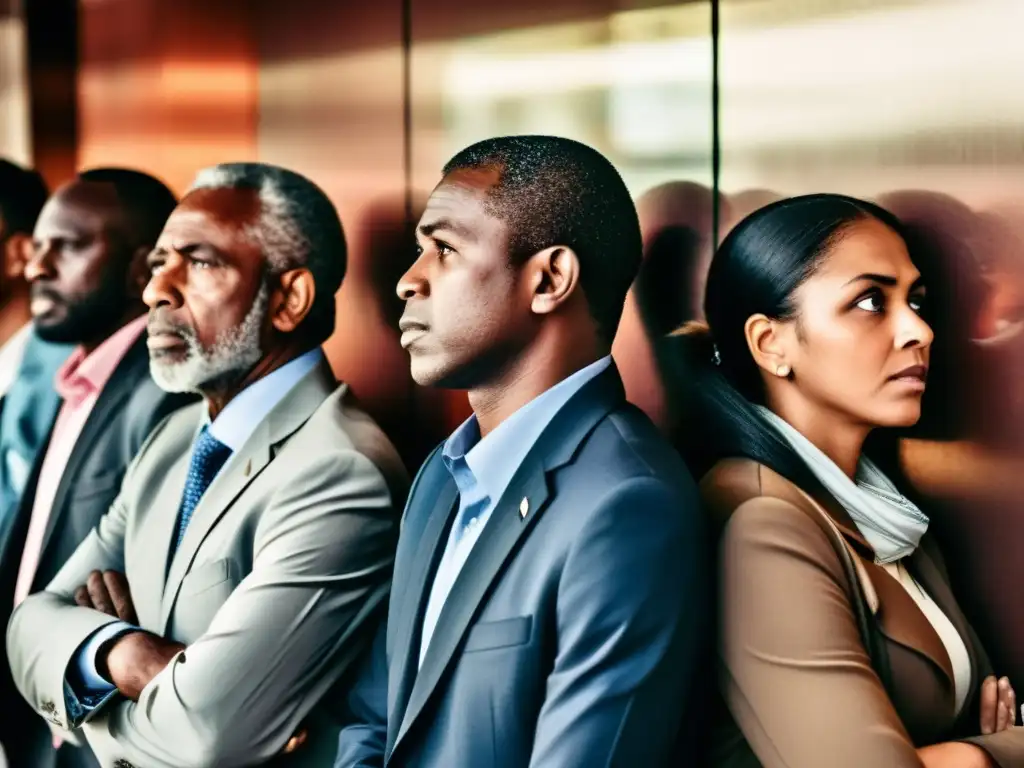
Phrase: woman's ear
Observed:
(553, 275)
(767, 341)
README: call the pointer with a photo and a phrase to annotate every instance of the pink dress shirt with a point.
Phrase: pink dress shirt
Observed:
(79, 382)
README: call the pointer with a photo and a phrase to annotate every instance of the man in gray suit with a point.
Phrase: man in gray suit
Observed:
(232, 582)
(549, 604)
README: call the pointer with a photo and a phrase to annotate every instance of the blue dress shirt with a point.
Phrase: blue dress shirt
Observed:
(233, 426)
(482, 470)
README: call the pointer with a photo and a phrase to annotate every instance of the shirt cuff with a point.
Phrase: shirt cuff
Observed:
(84, 687)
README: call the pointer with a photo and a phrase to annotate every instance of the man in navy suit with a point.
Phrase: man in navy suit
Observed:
(549, 600)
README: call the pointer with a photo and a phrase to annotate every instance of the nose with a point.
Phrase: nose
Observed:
(39, 265)
(163, 288)
(912, 330)
(413, 283)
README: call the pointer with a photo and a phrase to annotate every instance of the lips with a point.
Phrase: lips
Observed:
(408, 324)
(163, 341)
(43, 300)
(913, 373)
(411, 330)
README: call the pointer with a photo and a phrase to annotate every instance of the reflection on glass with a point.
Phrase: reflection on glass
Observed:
(635, 84)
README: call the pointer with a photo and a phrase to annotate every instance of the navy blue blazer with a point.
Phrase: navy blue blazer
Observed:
(574, 635)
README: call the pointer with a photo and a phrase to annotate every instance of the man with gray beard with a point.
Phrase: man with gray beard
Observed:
(239, 573)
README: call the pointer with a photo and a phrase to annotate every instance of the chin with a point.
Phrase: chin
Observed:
(425, 371)
(57, 332)
(902, 415)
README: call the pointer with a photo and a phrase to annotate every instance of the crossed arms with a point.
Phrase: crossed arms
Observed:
(322, 555)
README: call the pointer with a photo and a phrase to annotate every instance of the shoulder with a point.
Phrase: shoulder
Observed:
(759, 512)
(734, 483)
(626, 446)
(342, 435)
(626, 472)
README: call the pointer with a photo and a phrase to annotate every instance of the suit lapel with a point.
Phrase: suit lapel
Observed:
(442, 496)
(283, 420)
(924, 569)
(485, 563)
(909, 628)
(505, 529)
(118, 388)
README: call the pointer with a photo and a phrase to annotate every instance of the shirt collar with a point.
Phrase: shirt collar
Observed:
(493, 460)
(83, 375)
(248, 408)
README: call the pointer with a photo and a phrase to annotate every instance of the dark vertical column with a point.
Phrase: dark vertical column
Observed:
(52, 37)
(407, 110)
(716, 144)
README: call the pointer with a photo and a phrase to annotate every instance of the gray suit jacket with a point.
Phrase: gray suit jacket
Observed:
(287, 557)
(572, 635)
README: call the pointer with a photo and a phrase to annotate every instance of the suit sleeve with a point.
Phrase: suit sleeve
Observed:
(796, 676)
(363, 738)
(362, 742)
(40, 656)
(632, 619)
(323, 553)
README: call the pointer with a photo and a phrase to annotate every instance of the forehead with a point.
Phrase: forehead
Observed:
(213, 215)
(80, 205)
(869, 246)
(462, 197)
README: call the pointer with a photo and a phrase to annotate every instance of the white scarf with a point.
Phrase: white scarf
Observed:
(892, 524)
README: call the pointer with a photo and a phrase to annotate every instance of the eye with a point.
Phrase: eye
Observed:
(73, 245)
(918, 303)
(873, 301)
(443, 249)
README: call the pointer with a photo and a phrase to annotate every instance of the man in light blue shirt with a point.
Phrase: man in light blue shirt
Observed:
(242, 568)
(232, 427)
(550, 602)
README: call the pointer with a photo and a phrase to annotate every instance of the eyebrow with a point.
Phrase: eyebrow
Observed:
(888, 280)
(186, 249)
(447, 225)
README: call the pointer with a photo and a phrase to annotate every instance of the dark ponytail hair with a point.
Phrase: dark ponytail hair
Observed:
(708, 368)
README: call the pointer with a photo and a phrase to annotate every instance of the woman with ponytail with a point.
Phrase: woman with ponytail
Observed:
(840, 642)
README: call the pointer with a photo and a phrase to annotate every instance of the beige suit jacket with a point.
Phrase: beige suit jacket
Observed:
(798, 685)
(288, 554)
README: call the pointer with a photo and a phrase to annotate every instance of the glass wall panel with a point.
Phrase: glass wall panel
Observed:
(632, 79)
(916, 103)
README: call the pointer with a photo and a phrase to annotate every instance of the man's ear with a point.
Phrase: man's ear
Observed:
(16, 254)
(553, 275)
(292, 299)
(138, 270)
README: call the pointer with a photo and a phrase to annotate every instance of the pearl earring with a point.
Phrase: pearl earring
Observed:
(782, 371)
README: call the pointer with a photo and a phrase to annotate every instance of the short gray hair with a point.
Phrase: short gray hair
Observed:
(298, 227)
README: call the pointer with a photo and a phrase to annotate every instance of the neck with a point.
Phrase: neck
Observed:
(14, 314)
(131, 313)
(529, 375)
(839, 438)
(218, 394)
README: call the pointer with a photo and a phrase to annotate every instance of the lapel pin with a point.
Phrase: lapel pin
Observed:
(248, 468)
(524, 507)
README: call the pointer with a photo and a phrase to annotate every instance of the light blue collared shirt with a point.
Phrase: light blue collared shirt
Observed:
(482, 470)
(233, 426)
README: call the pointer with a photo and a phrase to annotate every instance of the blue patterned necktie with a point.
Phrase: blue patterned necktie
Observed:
(208, 456)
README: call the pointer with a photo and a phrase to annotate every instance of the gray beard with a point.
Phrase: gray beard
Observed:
(234, 351)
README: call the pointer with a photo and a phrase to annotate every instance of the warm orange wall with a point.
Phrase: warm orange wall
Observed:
(167, 87)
